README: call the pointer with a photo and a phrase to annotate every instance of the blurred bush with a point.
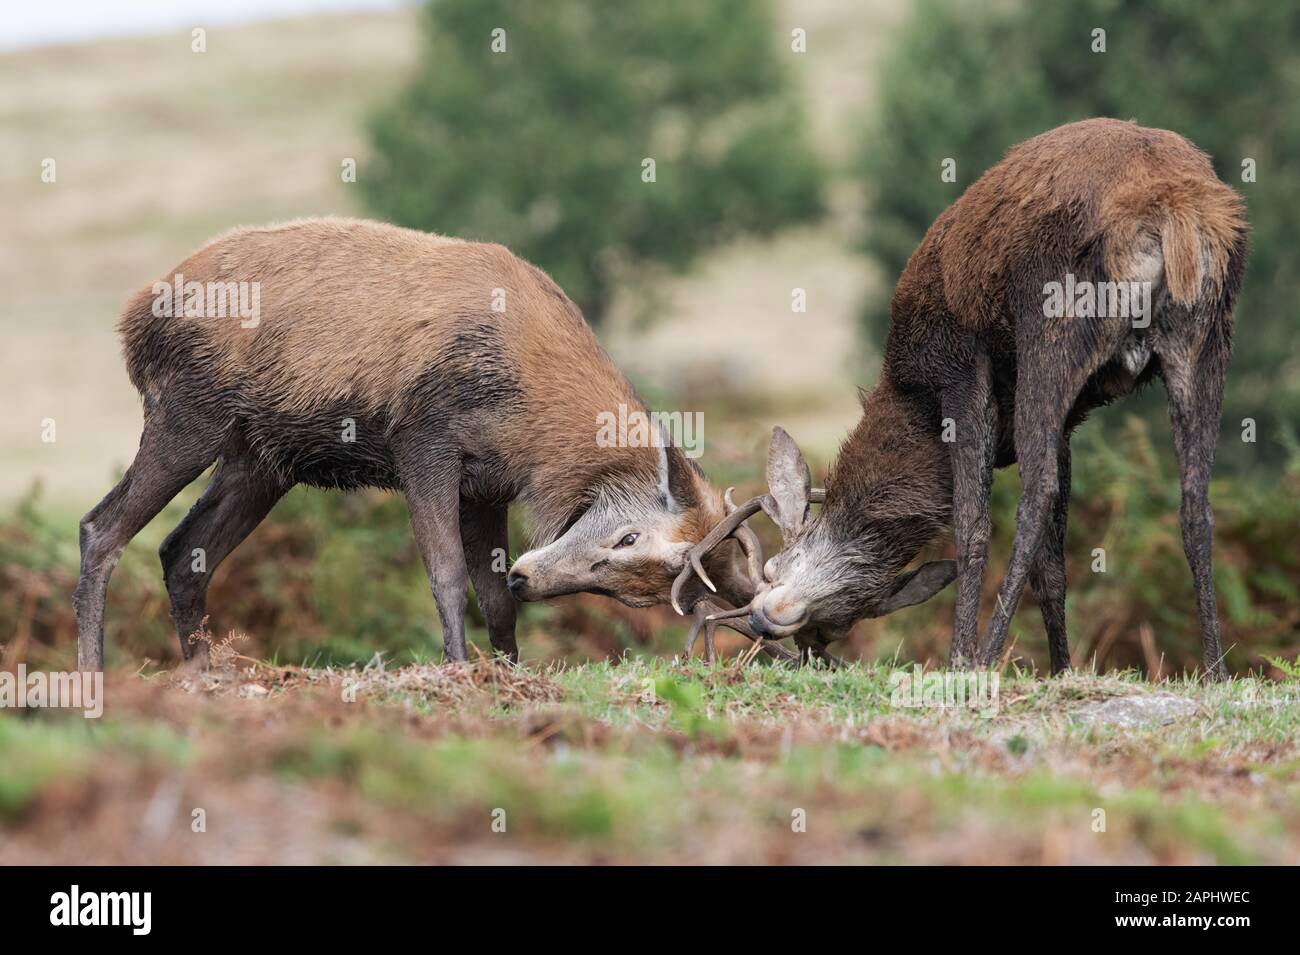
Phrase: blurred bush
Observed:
(968, 81)
(540, 147)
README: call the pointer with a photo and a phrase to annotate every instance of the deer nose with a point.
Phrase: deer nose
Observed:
(517, 582)
(776, 615)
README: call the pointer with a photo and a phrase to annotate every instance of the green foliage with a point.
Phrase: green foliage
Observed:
(968, 81)
(540, 147)
(1290, 668)
(63, 744)
(686, 698)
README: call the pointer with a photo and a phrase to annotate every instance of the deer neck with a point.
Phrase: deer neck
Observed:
(892, 480)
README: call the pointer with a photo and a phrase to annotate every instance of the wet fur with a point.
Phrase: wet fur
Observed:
(968, 340)
(460, 407)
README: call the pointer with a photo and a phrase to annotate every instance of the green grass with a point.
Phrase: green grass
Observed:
(37, 752)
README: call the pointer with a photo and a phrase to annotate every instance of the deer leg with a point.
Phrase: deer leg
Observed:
(1047, 386)
(234, 502)
(1038, 477)
(974, 416)
(169, 458)
(483, 532)
(1047, 577)
(431, 483)
(813, 647)
(1195, 389)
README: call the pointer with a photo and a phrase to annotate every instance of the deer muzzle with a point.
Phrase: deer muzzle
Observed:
(777, 613)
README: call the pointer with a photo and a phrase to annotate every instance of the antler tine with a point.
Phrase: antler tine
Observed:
(770, 647)
(725, 528)
(749, 542)
(728, 614)
(705, 625)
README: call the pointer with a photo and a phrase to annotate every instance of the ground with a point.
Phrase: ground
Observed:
(650, 761)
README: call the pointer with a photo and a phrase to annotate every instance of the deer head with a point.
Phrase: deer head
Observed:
(835, 567)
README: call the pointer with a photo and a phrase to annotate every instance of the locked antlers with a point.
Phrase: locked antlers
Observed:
(790, 493)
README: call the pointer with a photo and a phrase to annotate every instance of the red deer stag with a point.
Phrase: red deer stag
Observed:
(1092, 259)
(376, 358)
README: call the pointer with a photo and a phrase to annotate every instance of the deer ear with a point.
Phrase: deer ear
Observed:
(676, 487)
(788, 484)
(918, 586)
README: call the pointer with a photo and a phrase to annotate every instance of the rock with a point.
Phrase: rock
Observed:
(1140, 709)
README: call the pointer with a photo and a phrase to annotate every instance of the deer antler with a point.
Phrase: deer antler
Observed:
(710, 615)
(725, 528)
(749, 542)
(733, 525)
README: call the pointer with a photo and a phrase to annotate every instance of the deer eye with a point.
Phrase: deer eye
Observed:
(627, 541)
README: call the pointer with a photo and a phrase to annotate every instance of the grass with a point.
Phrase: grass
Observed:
(651, 761)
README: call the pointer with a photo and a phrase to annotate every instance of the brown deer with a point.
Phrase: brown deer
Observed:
(1021, 311)
(384, 357)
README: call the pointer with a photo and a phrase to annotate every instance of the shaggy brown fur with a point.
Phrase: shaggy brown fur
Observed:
(392, 335)
(356, 312)
(971, 348)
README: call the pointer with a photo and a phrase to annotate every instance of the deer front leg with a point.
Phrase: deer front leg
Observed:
(431, 482)
(1048, 574)
(1045, 392)
(812, 646)
(973, 415)
(483, 534)
(1046, 389)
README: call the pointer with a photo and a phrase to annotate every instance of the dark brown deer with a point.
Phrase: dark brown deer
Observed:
(995, 353)
(451, 371)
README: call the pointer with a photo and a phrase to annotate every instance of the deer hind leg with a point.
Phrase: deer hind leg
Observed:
(973, 411)
(1194, 378)
(233, 504)
(483, 532)
(1047, 576)
(171, 455)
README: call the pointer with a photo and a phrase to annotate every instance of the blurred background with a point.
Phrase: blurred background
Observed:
(798, 146)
